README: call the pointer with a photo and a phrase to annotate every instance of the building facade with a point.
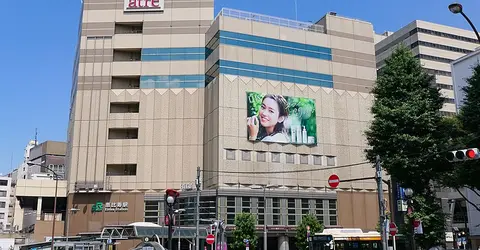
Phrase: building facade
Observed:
(436, 46)
(461, 70)
(160, 92)
(5, 191)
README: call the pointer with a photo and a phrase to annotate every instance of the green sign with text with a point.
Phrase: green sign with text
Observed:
(97, 207)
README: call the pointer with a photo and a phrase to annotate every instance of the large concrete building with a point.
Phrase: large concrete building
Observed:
(158, 92)
(436, 46)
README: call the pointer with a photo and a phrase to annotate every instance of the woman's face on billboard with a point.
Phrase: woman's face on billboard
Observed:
(269, 113)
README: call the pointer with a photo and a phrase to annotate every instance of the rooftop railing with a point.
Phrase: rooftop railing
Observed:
(244, 15)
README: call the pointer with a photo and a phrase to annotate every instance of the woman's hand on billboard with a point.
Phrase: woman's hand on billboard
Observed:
(253, 125)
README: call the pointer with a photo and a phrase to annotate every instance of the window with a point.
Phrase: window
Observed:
(305, 207)
(448, 100)
(440, 46)
(2, 216)
(122, 133)
(332, 212)
(275, 157)
(3, 193)
(434, 58)
(125, 82)
(124, 107)
(291, 211)
(317, 160)
(246, 204)
(331, 161)
(261, 157)
(261, 211)
(290, 158)
(319, 210)
(121, 169)
(3, 182)
(445, 86)
(153, 211)
(276, 211)
(230, 154)
(2, 204)
(127, 55)
(446, 113)
(230, 210)
(246, 155)
(442, 34)
(128, 28)
(303, 159)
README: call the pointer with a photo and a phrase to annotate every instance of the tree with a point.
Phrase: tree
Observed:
(407, 132)
(244, 229)
(301, 234)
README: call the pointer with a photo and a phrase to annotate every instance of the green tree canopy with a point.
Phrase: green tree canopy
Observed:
(301, 234)
(244, 229)
(408, 133)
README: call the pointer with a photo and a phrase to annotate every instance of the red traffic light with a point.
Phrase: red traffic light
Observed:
(471, 154)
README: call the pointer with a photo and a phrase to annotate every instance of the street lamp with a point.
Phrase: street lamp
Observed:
(55, 175)
(265, 234)
(457, 8)
(170, 198)
(409, 194)
(179, 211)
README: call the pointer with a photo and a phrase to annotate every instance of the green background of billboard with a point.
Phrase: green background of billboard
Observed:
(306, 106)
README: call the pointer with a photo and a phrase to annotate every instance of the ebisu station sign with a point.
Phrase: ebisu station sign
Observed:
(143, 5)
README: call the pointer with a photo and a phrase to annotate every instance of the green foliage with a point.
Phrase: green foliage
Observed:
(409, 135)
(244, 229)
(405, 131)
(301, 234)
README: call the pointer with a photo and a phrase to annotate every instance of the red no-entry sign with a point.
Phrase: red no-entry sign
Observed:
(393, 229)
(210, 239)
(333, 181)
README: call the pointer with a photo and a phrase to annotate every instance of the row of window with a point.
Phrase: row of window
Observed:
(446, 113)
(269, 73)
(276, 157)
(448, 100)
(434, 58)
(440, 46)
(275, 211)
(442, 34)
(173, 54)
(445, 86)
(438, 72)
(172, 81)
(275, 45)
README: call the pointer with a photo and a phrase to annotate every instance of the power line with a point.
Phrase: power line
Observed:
(286, 171)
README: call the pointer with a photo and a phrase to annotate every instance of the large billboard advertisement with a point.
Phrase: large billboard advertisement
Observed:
(281, 119)
(143, 5)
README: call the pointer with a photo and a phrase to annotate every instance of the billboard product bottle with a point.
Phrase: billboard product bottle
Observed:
(304, 136)
(299, 134)
(292, 132)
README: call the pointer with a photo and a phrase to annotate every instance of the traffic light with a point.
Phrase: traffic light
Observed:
(463, 155)
(171, 196)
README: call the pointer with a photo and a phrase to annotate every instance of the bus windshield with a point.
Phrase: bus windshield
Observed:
(321, 242)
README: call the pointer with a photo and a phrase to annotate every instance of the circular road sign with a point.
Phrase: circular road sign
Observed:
(210, 239)
(333, 181)
(393, 229)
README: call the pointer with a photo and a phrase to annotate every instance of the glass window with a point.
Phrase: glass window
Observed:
(319, 210)
(317, 160)
(246, 204)
(261, 211)
(290, 158)
(332, 210)
(291, 211)
(246, 155)
(261, 157)
(303, 159)
(3, 193)
(230, 154)
(3, 182)
(331, 161)
(230, 210)
(275, 157)
(276, 211)
(2, 204)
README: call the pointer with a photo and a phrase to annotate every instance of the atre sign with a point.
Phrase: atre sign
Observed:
(143, 5)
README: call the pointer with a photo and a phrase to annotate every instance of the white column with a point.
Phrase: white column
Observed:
(39, 208)
(283, 243)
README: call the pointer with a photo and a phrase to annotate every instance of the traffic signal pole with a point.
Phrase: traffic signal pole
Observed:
(197, 212)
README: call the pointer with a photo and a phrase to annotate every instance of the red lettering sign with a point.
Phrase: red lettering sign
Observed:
(143, 5)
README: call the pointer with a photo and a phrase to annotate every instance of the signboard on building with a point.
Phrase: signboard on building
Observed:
(143, 5)
(281, 119)
(110, 207)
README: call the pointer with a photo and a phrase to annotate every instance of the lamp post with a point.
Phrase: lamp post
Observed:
(265, 232)
(55, 175)
(457, 8)
(171, 199)
(179, 211)
(409, 195)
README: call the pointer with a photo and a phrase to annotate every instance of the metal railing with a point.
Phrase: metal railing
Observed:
(244, 15)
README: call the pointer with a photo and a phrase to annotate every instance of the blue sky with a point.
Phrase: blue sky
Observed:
(38, 46)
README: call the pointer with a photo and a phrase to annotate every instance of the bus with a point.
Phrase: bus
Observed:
(345, 239)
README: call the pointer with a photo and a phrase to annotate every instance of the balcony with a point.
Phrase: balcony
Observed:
(93, 186)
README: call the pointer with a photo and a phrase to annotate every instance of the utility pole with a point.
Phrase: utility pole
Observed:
(197, 212)
(381, 203)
